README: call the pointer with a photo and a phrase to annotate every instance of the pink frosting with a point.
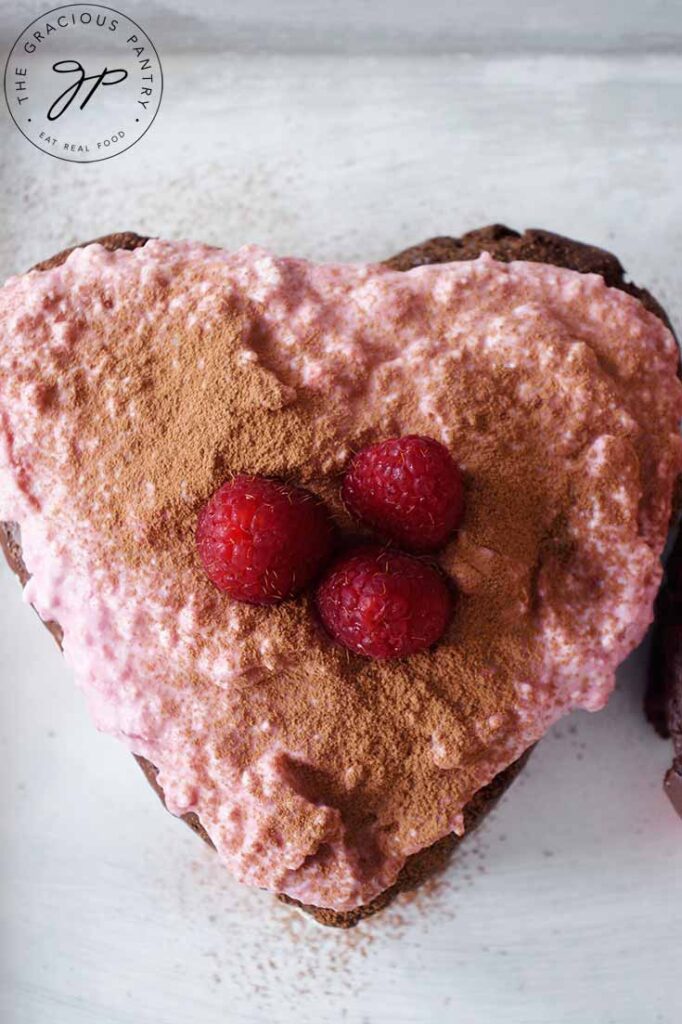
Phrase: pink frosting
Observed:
(130, 647)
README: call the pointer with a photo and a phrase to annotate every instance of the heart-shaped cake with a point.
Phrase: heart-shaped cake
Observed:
(138, 377)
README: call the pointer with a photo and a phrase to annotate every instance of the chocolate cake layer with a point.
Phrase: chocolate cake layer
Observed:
(663, 700)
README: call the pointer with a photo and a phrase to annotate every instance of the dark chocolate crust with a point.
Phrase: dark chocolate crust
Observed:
(663, 699)
(535, 246)
(505, 245)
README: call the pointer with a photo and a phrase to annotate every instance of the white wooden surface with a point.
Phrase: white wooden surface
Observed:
(567, 907)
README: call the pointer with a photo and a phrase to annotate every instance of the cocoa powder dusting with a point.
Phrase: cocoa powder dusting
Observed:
(177, 399)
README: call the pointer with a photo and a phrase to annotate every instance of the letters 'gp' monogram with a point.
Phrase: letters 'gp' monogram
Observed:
(63, 102)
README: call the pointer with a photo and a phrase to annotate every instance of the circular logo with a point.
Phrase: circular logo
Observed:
(83, 82)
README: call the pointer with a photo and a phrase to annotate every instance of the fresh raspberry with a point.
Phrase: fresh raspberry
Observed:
(261, 540)
(409, 489)
(383, 604)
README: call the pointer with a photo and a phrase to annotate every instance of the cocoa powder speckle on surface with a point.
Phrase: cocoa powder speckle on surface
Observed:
(167, 379)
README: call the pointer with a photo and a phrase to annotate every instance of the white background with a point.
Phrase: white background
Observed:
(348, 132)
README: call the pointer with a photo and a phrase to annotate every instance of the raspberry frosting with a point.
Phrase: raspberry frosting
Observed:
(134, 383)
